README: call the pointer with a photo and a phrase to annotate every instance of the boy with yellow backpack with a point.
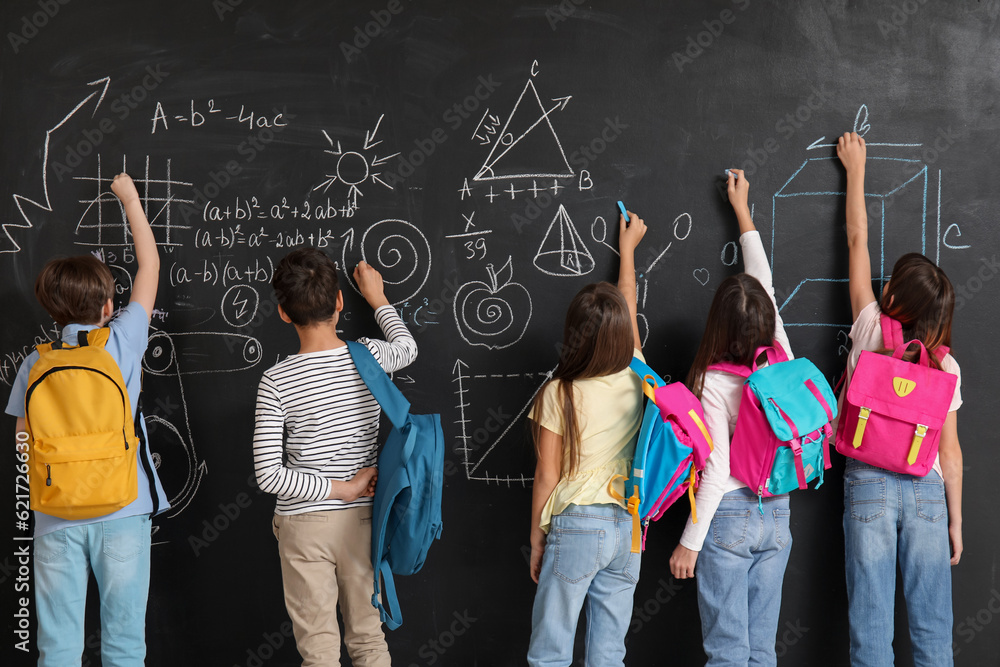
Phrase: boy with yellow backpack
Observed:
(93, 487)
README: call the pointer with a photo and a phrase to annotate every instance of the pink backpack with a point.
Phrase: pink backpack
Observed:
(894, 409)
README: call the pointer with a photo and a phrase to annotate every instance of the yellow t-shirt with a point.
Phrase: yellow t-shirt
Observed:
(609, 410)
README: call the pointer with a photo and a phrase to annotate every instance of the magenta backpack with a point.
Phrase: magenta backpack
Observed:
(782, 434)
(894, 409)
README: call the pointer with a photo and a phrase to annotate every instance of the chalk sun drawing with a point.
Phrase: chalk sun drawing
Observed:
(494, 315)
(355, 168)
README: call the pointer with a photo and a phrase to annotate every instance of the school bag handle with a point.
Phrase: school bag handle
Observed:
(775, 353)
(892, 339)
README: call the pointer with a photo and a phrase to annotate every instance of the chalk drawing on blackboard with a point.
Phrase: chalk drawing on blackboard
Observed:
(197, 352)
(701, 275)
(562, 251)
(355, 168)
(106, 229)
(528, 145)
(397, 250)
(485, 424)
(239, 305)
(599, 232)
(494, 315)
(42, 208)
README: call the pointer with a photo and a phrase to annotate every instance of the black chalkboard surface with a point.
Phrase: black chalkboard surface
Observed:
(474, 153)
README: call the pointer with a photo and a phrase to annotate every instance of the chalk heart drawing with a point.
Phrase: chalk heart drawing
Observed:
(495, 314)
(701, 275)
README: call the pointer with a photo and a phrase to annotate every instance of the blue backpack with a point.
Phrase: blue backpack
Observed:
(406, 517)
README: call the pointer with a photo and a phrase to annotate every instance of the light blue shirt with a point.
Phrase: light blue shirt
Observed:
(126, 344)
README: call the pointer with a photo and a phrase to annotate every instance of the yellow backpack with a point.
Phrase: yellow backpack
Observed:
(82, 459)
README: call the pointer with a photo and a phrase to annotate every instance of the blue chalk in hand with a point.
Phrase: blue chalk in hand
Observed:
(624, 212)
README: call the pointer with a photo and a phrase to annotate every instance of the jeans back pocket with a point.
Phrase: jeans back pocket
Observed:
(929, 494)
(729, 527)
(578, 553)
(866, 498)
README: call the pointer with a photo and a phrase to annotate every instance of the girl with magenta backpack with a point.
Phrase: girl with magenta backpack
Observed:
(892, 516)
(585, 423)
(741, 542)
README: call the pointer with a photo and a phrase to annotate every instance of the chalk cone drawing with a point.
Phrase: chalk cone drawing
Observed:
(494, 443)
(30, 208)
(528, 145)
(398, 250)
(562, 252)
(355, 168)
(494, 315)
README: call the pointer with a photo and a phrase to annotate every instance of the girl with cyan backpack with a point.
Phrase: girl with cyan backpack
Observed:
(741, 540)
(586, 420)
(902, 498)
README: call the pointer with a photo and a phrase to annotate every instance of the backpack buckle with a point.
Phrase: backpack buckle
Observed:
(859, 433)
(918, 438)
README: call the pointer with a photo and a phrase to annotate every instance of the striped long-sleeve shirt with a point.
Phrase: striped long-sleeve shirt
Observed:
(317, 408)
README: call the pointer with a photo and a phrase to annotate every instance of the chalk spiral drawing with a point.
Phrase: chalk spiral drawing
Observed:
(354, 168)
(527, 137)
(494, 315)
(397, 250)
(46, 207)
(562, 251)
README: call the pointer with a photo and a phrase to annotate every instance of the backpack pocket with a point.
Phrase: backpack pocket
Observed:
(89, 476)
(784, 478)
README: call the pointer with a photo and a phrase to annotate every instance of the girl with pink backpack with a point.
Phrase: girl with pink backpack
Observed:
(895, 516)
(741, 541)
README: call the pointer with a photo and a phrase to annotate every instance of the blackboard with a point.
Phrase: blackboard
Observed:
(474, 153)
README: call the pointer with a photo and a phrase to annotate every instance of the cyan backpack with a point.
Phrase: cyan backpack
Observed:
(406, 517)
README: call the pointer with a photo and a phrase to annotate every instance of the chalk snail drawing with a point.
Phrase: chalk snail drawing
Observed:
(495, 314)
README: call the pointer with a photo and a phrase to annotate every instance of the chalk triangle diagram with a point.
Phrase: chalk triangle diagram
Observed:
(527, 146)
(562, 252)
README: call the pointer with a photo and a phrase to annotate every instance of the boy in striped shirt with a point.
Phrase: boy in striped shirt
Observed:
(314, 447)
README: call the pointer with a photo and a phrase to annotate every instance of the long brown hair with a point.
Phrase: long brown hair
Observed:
(921, 298)
(597, 340)
(740, 320)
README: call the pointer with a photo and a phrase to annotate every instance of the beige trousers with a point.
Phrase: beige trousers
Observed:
(326, 560)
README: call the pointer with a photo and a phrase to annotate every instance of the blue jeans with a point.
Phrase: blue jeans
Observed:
(588, 561)
(118, 553)
(890, 516)
(739, 574)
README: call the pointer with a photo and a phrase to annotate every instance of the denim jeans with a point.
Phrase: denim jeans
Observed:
(588, 562)
(890, 516)
(118, 553)
(739, 574)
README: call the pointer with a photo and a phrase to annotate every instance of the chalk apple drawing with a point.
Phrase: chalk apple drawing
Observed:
(494, 315)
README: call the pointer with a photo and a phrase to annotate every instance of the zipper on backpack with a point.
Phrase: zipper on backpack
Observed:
(48, 471)
(760, 499)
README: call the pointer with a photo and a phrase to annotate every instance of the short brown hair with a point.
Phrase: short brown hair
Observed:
(305, 284)
(75, 289)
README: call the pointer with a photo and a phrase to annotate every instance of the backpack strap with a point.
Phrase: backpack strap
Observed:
(394, 404)
(649, 377)
(389, 610)
(147, 464)
(892, 337)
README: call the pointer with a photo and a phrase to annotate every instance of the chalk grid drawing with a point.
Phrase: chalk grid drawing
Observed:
(500, 465)
(562, 251)
(527, 146)
(169, 356)
(41, 208)
(398, 250)
(111, 229)
(355, 168)
(494, 315)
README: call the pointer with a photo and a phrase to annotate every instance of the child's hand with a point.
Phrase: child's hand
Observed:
(630, 232)
(124, 188)
(738, 188)
(851, 151)
(537, 551)
(363, 484)
(369, 283)
(682, 562)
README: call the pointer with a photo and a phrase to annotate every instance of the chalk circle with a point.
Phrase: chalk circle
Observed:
(507, 139)
(401, 253)
(602, 225)
(251, 351)
(490, 317)
(677, 221)
(239, 305)
(159, 355)
(350, 165)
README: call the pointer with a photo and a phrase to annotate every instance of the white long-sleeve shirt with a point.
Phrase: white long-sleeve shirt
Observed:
(720, 398)
(316, 409)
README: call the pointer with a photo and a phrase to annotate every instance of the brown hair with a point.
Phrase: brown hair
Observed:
(740, 320)
(305, 284)
(597, 341)
(921, 298)
(74, 289)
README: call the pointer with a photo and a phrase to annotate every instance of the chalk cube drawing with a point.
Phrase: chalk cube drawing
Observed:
(808, 248)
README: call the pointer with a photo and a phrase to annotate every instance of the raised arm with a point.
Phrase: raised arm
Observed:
(147, 276)
(851, 151)
(739, 193)
(630, 232)
(399, 349)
